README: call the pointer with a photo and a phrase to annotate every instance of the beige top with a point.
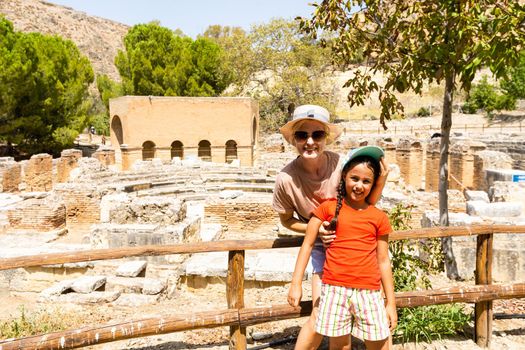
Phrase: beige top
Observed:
(296, 192)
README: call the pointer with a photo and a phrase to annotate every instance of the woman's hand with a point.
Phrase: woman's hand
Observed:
(326, 234)
(295, 294)
(383, 165)
(391, 313)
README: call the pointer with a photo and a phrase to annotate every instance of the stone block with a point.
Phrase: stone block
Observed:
(131, 268)
(477, 196)
(88, 284)
(498, 209)
(80, 298)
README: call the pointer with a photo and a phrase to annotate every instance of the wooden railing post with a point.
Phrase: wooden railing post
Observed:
(235, 296)
(483, 309)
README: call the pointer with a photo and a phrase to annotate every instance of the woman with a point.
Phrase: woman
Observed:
(306, 182)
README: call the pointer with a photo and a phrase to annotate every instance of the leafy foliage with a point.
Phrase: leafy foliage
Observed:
(514, 81)
(487, 97)
(277, 65)
(418, 42)
(159, 62)
(43, 100)
(411, 273)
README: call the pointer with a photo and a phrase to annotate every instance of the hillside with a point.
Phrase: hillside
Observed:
(97, 38)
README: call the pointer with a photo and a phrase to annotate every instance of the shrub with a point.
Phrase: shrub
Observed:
(485, 96)
(411, 273)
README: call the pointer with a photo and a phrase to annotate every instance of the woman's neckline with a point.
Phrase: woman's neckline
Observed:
(323, 165)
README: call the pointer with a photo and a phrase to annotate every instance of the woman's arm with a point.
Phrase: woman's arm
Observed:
(295, 293)
(387, 279)
(375, 194)
(326, 235)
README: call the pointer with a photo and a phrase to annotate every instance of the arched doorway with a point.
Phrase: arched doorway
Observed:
(231, 151)
(148, 150)
(204, 152)
(177, 149)
(116, 126)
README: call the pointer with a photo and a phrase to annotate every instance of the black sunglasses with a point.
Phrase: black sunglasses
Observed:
(317, 135)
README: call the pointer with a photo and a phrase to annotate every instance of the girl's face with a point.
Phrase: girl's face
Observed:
(310, 139)
(359, 181)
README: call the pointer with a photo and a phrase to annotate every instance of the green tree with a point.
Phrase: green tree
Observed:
(159, 62)
(43, 100)
(422, 41)
(514, 81)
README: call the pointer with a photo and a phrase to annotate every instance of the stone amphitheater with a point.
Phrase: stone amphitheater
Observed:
(84, 201)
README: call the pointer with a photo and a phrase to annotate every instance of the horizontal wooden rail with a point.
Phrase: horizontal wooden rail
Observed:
(217, 246)
(245, 317)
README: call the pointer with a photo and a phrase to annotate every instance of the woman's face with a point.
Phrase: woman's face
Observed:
(310, 139)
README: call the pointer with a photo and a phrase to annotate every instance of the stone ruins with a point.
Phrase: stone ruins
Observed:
(78, 202)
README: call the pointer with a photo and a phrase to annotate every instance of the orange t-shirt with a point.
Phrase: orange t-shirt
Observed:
(351, 259)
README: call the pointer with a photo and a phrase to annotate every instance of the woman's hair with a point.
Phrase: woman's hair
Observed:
(371, 163)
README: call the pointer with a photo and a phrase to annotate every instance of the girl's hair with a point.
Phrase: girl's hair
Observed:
(371, 163)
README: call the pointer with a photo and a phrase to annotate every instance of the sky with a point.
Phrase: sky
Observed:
(192, 16)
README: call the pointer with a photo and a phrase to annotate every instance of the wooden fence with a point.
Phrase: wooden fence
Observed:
(429, 129)
(237, 317)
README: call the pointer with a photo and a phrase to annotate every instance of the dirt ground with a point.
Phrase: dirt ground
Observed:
(507, 333)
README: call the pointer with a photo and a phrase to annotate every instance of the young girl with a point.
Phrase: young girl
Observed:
(357, 261)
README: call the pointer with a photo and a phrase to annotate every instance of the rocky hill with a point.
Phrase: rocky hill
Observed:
(97, 38)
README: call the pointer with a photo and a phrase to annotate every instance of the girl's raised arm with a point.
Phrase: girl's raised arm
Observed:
(375, 194)
(296, 290)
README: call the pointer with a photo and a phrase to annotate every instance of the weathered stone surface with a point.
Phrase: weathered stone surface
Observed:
(230, 194)
(112, 202)
(88, 284)
(498, 209)
(477, 196)
(131, 268)
(151, 286)
(136, 299)
(81, 298)
(58, 288)
(143, 210)
(431, 218)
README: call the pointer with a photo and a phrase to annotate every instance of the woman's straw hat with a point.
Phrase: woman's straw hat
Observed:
(311, 112)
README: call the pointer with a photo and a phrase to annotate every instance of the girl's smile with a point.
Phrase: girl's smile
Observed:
(359, 181)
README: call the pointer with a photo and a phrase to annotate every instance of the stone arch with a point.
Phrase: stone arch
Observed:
(177, 149)
(148, 150)
(231, 151)
(116, 126)
(204, 151)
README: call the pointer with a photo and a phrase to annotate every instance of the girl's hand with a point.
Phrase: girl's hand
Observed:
(326, 234)
(391, 313)
(384, 170)
(294, 294)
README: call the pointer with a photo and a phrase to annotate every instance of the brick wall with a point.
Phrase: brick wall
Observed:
(11, 174)
(39, 173)
(82, 202)
(37, 215)
(243, 217)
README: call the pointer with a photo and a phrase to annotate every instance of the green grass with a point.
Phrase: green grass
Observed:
(37, 322)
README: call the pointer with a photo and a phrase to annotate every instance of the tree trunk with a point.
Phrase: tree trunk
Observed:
(446, 123)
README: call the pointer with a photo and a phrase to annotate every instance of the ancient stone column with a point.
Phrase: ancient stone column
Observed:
(10, 173)
(39, 173)
(105, 156)
(432, 168)
(68, 161)
(390, 151)
(409, 158)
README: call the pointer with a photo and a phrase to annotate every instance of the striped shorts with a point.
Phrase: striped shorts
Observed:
(360, 312)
